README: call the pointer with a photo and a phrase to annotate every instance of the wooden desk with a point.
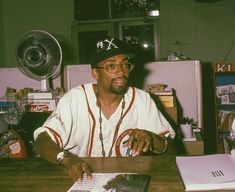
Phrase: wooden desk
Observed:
(38, 175)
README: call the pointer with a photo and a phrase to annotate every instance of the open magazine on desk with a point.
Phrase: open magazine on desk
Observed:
(107, 182)
(207, 172)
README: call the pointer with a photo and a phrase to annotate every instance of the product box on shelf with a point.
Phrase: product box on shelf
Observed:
(41, 105)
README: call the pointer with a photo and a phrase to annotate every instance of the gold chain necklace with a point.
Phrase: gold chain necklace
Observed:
(116, 129)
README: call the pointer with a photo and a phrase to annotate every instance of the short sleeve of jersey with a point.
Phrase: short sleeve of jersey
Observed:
(152, 118)
(58, 125)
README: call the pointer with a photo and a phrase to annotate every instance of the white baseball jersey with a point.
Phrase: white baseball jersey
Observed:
(75, 123)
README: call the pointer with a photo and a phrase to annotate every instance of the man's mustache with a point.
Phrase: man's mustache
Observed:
(118, 78)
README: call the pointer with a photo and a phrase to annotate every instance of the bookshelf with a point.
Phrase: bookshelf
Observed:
(224, 86)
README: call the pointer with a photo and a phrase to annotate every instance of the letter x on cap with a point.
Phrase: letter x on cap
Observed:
(109, 47)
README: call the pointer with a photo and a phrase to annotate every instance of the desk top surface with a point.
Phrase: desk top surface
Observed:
(36, 174)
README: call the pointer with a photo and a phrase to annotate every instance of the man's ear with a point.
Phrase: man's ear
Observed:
(95, 73)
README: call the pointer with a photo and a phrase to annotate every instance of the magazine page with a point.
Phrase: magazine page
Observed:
(107, 182)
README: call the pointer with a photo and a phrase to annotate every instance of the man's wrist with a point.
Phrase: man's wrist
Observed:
(164, 148)
(61, 156)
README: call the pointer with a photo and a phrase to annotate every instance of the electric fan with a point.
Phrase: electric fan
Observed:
(39, 56)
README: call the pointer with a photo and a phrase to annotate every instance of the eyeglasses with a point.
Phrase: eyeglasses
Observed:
(113, 67)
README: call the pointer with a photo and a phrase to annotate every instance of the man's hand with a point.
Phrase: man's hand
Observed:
(77, 167)
(49, 150)
(140, 141)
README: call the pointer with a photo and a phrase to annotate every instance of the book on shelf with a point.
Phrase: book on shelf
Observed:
(159, 89)
(207, 172)
(107, 182)
(6, 104)
(226, 94)
(166, 91)
(153, 88)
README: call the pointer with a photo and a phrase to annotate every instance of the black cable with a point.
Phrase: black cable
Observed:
(229, 51)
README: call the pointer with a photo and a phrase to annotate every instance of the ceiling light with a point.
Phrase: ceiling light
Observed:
(153, 13)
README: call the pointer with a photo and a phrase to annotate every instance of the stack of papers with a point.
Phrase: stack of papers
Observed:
(208, 172)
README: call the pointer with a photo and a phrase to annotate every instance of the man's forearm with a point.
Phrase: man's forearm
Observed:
(46, 148)
(49, 150)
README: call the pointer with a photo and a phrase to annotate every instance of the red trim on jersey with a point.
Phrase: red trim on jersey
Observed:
(56, 136)
(90, 145)
(131, 103)
(94, 121)
(128, 109)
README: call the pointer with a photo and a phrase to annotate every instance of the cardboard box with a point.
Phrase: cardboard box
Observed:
(154, 88)
(195, 147)
(173, 114)
(167, 100)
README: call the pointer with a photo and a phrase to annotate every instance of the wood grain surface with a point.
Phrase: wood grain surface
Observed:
(38, 175)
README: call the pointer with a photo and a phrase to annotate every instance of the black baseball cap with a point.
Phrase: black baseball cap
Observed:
(109, 47)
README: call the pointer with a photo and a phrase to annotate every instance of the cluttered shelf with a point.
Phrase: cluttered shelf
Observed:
(224, 88)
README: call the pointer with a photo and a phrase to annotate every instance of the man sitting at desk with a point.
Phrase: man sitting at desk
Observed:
(103, 119)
